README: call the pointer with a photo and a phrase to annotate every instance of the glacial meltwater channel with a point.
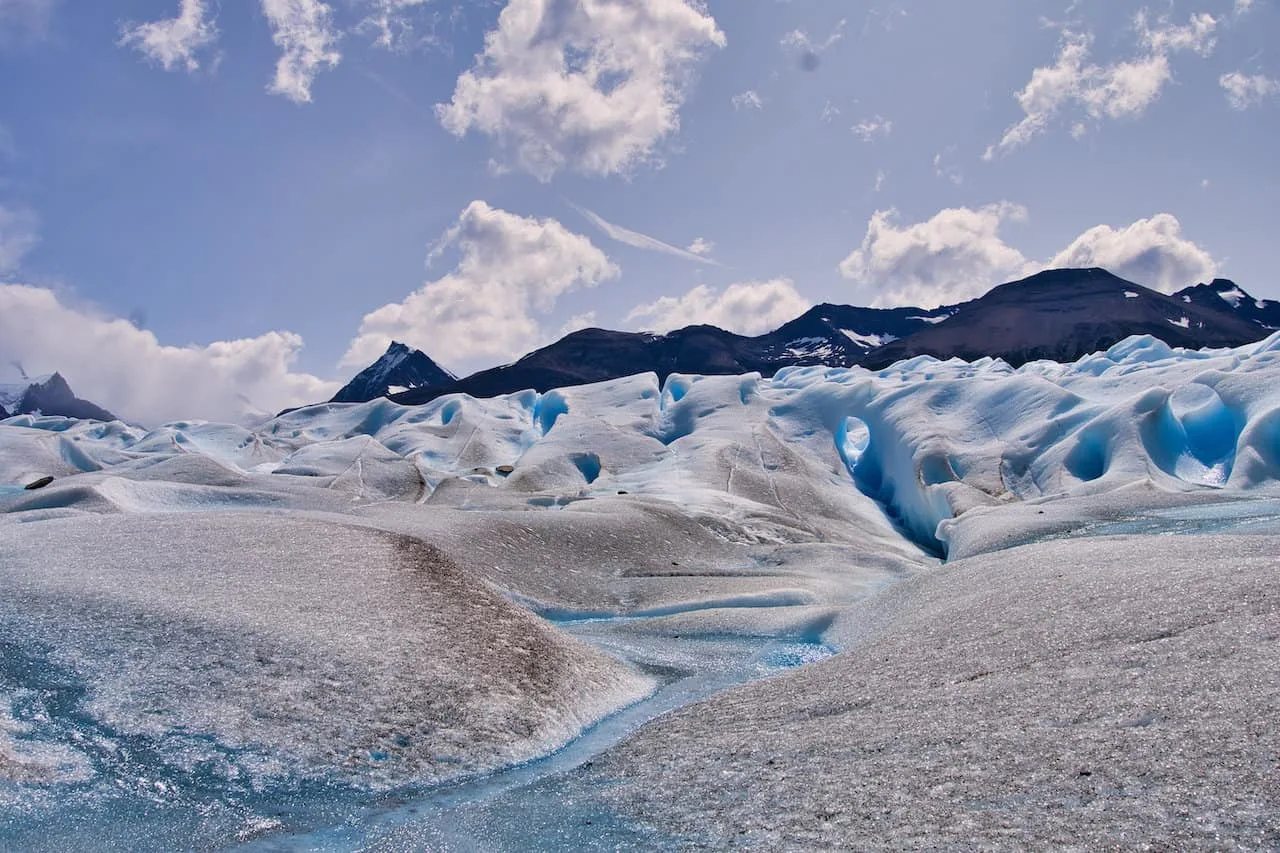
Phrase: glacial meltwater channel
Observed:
(522, 807)
(116, 791)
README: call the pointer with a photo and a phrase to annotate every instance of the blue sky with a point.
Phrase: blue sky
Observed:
(211, 207)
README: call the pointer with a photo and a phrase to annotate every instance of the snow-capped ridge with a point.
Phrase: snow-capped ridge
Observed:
(400, 367)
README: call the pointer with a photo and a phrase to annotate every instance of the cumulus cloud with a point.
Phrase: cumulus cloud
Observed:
(956, 255)
(1151, 252)
(18, 236)
(701, 246)
(748, 308)
(748, 100)
(1244, 91)
(510, 269)
(592, 85)
(869, 128)
(1118, 90)
(127, 370)
(959, 254)
(305, 34)
(644, 241)
(175, 43)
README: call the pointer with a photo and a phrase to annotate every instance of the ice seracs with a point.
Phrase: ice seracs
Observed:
(210, 627)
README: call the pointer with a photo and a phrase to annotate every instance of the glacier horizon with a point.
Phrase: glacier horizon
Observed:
(231, 634)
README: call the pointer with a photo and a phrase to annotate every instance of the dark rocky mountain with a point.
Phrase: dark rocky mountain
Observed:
(4, 413)
(837, 335)
(51, 396)
(1058, 314)
(1064, 314)
(1225, 295)
(400, 369)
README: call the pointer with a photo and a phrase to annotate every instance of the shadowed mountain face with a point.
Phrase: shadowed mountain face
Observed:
(1226, 296)
(836, 335)
(1064, 314)
(53, 396)
(1059, 315)
(399, 369)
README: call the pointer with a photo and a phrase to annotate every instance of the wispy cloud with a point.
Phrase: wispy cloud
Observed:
(869, 128)
(748, 100)
(304, 32)
(175, 43)
(642, 241)
(1119, 90)
(1244, 91)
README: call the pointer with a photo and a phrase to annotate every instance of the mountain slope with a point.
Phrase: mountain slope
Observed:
(49, 395)
(1226, 296)
(837, 335)
(400, 368)
(1064, 314)
(1058, 314)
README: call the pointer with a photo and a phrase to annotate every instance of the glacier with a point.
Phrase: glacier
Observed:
(1024, 606)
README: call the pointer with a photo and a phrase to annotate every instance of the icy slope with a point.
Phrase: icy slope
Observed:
(1081, 695)
(923, 440)
(360, 596)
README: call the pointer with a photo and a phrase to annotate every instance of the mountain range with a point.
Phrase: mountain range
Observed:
(1058, 314)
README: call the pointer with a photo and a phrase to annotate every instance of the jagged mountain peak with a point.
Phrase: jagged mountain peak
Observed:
(401, 368)
(48, 395)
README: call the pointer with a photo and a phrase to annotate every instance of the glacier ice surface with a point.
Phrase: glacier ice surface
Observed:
(217, 635)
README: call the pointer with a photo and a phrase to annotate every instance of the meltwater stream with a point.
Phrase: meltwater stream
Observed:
(523, 807)
(121, 793)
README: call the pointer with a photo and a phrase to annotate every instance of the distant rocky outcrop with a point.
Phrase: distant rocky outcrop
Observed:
(1224, 295)
(1062, 315)
(50, 396)
(400, 369)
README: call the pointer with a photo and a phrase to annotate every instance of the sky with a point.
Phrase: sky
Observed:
(211, 208)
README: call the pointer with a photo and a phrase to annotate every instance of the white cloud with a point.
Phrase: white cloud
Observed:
(956, 255)
(701, 247)
(748, 100)
(1151, 252)
(391, 24)
(829, 112)
(959, 254)
(946, 170)
(592, 85)
(127, 370)
(1162, 37)
(1119, 90)
(881, 177)
(175, 43)
(576, 323)
(1244, 91)
(304, 32)
(749, 308)
(18, 236)
(799, 40)
(510, 269)
(869, 128)
(644, 241)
